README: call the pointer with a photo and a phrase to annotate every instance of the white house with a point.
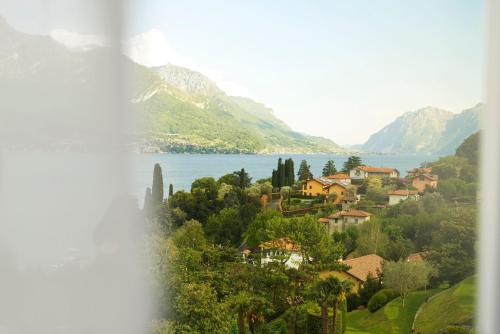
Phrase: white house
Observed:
(281, 250)
(363, 172)
(397, 196)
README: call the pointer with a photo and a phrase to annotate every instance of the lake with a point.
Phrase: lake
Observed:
(182, 169)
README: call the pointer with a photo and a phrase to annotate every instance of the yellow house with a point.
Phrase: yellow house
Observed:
(325, 186)
(360, 268)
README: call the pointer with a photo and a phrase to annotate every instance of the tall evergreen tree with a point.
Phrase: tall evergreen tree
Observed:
(274, 179)
(281, 173)
(291, 173)
(304, 172)
(170, 190)
(244, 180)
(329, 168)
(351, 163)
(157, 191)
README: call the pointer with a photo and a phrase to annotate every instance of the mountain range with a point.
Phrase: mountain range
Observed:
(180, 110)
(426, 131)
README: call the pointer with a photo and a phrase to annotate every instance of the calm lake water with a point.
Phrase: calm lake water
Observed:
(182, 169)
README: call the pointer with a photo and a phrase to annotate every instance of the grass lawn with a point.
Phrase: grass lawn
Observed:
(454, 306)
(392, 318)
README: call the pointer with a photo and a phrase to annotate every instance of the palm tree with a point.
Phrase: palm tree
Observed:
(342, 288)
(241, 303)
(324, 293)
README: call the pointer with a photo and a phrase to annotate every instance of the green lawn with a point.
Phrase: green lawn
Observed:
(454, 306)
(392, 318)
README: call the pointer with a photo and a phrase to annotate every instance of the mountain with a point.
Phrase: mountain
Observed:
(179, 110)
(186, 111)
(426, 131)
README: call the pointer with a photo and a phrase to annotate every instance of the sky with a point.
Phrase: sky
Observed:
(338, 69)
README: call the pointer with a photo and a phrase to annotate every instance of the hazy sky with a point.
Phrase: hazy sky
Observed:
(339, 69)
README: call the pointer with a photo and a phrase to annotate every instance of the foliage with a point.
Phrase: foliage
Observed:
(304, 172)
(157, 190)
(404, 276)
(469, 149)
(284, 175)
(371, 286)
(381, 298)
(329, 168)
(351, 163)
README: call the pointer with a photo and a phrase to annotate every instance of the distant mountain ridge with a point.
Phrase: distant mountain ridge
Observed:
(425, 131)
(179, 110)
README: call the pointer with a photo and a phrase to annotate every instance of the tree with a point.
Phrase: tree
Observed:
(244, 180)
(369, 288)
(329, 168)
(351, 163)
(342, 288)
(157, 190)
(304, 172)
(281, 173)
(170, 190)
(404, 276)
(324, 293)
(289, 172)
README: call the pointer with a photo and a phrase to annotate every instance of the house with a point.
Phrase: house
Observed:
(416, 257)
(281, 249)
(327, 187)
(417, 171)
(342, 177)
(397, 196)
(359, 269)
(364, 172)
(422, 181)
(340, 220)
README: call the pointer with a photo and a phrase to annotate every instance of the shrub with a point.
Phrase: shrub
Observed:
(353, 301)
(381, 298)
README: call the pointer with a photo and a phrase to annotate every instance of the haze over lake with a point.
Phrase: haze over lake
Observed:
(182, 169)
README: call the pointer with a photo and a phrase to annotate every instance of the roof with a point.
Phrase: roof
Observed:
(339, 176)
(364, 265)
(326, 182)
(350, 213)
(281, 243)
(402, 192)
(416, 257)
(370, 169)
(424, 170)
(431, 177)
(323, 220)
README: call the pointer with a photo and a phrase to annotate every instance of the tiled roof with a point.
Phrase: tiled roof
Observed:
(339, 176)
(370, 169)
(281, 243)
(326, 182)
(350, 213)
(431, 177)
(363, 265)
(323, 220)
(422, 170)
(402, 192)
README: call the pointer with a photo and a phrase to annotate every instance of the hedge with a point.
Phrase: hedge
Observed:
(379, 299)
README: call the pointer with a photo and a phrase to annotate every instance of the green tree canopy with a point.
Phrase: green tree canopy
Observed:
(329, 168)
(304, 172)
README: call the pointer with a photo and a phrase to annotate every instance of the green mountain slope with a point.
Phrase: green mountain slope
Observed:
(185, 111)
(428, 131)
(454, 306)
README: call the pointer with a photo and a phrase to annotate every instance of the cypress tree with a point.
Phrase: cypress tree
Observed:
(170, 190)
(157, 191)
(281, 173)
(274, 179)
(290, 172)
(304, 172)
(242, 178)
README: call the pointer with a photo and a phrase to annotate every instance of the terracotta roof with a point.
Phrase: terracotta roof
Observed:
(402, 192)
(415, 257)
(370, 169)
(363, 265)
(323, 220)
(281, 243)
(431, 177)
(339, 176)
(350, 213)
(423, 170)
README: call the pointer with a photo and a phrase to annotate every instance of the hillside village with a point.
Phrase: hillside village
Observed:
(361, 249)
